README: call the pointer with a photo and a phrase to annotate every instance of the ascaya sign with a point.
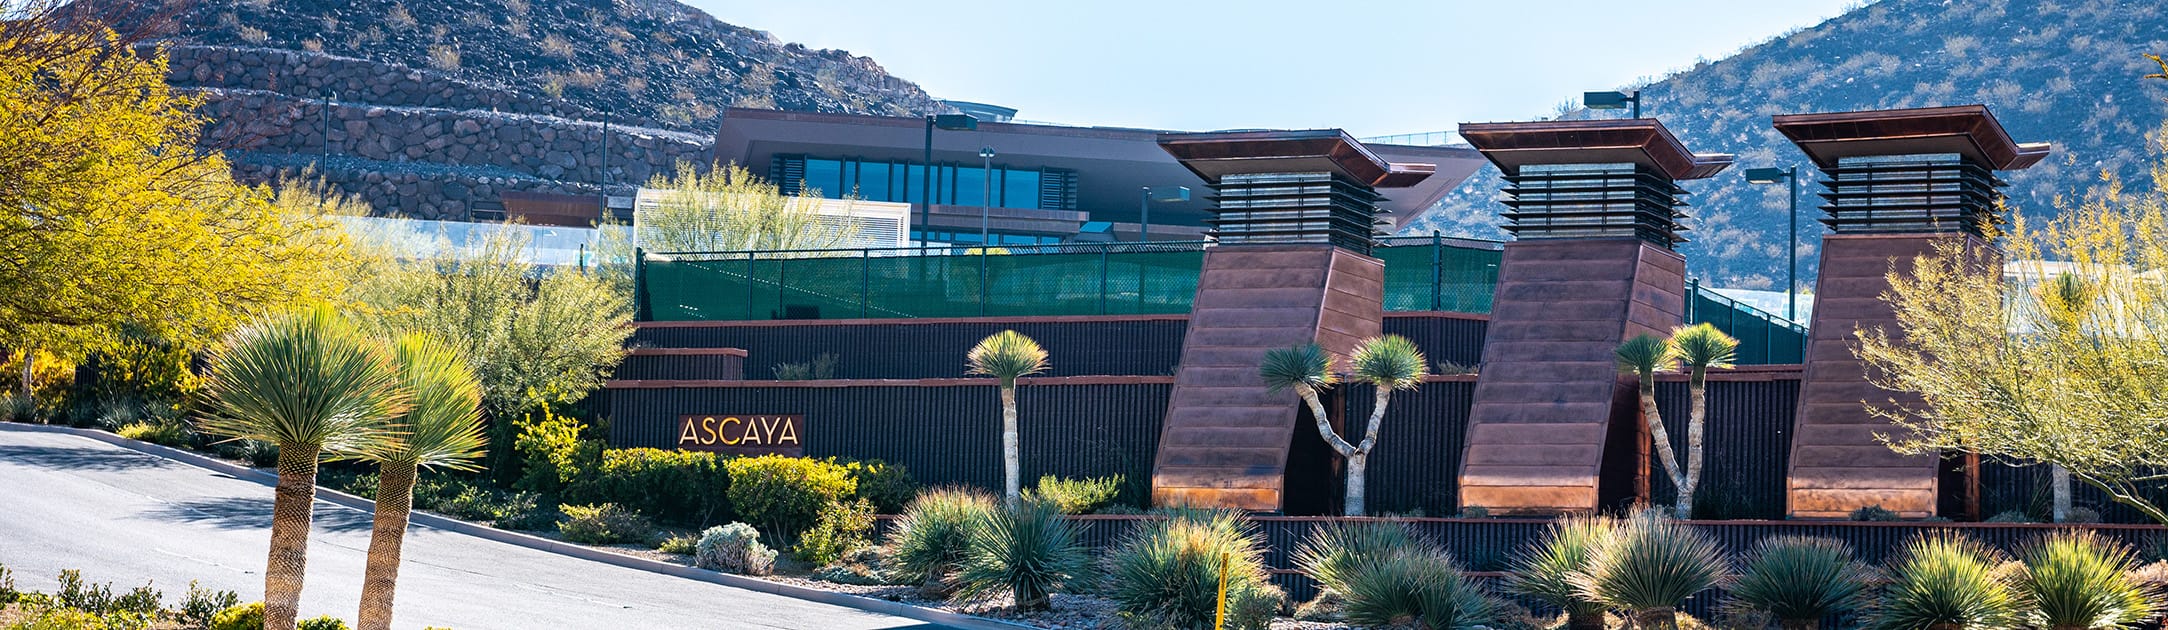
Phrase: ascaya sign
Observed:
(740, 434)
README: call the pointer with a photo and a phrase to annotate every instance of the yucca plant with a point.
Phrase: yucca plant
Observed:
(1390, 363)
(1799, 580)
(1701, 347)
(1008, 355)
(1650, 566)
(1644, 356)
(1333, 550)
(2075, 580)
(1027, 551)
(1544, 571)
(441, 430)
(313, 384)
(1166, 573)
(1945, 581)
(927, 544)
(1418, 585)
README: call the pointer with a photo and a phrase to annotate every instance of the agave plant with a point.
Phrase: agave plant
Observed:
(1800, 580)
(1644, 356)
(927, 544)
(1027, 551)
(1167, 573)
(1649, 567)
(311, 383)
(1544, 571)
(1701, 347)
(1008, 355)
(2074, 580)
(1333, 551)
(1945, 581)
(443, 429)
(1415, 585)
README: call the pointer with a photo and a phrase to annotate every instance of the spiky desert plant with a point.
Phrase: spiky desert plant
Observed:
(1650, 566)
(1945, 581)
(1544, 571)
(1309, 370)
(313, 384)
(1800, 580)
(1008, 355)
(1166, 573)
(1701, 347)
(1644, 356)
(441, 430)
(1332, 551)
(2075, 580)
(1417, 585)
(927, 544)
(1389, 363)
(1027, 551)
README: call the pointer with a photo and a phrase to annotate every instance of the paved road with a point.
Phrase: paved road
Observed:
(68, 502)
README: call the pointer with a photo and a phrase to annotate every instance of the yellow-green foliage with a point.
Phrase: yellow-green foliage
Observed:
(247, 616)
(783, 496)
(1079, 496)
(161, 432)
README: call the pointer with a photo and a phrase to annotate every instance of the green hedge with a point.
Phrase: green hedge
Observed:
(680, 487)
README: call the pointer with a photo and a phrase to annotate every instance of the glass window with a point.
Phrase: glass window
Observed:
(913, 181)
(970, 183)
(825, 176)
(1021, 190)
(873, 181)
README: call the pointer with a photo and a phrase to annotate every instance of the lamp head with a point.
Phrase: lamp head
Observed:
(1767, 175)
(956, 122)
(1606, 100)
(986, 152)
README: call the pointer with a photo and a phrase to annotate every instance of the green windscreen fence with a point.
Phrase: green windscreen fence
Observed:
(1429, 273)
(1764, 338)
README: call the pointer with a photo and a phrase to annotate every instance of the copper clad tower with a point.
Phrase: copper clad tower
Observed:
(1899, 182)
(1295, 218)
(1595, 213)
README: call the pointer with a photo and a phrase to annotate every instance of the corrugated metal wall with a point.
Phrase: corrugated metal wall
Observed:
(682, 367)
(1416, 468)
(1457, 340)
(943, 434)
(1749, 440)
(1147, 347)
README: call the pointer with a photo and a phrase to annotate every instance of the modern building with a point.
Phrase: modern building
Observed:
(1041, 184)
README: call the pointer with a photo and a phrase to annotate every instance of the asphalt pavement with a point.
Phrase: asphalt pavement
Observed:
(119, 516)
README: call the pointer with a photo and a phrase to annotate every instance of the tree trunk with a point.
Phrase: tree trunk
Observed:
(2060, 481)
(394, 500)
(1698, 396)
(1011, 466)
(290, 513)
(1662, 437)
(1584, 620)
(30, 361)
(1665, 618)
(1353, 504)
(1357, 464)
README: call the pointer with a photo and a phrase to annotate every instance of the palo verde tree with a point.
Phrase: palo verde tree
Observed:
(442, 429)
(1007, 356)
(1389, 363)
(726, 208)
(313, 384)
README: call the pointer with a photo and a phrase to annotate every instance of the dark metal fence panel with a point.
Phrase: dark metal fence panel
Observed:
(1119, 347)
(1446, 340)
(1748, 437)
(681, 367)
(943, 435)
(1764, 338)
(1416, 467)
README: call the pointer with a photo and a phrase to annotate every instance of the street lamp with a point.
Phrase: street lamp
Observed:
(1166, 195)
(986, 198)
(1789, 175)
(1612, 100)
(954, 122)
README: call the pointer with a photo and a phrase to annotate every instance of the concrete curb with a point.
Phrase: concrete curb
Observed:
(868, 604)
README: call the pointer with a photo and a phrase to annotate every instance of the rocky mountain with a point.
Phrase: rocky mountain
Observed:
(2061, 71)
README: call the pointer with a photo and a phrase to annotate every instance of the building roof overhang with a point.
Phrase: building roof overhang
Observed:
(1216, 154)
(1642, 141)
(1969, 130)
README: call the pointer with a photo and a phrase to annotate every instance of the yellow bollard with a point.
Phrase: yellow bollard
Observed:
(1219, 619)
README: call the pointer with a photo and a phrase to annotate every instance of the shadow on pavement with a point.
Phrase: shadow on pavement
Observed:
(80, 458)
(253, 513)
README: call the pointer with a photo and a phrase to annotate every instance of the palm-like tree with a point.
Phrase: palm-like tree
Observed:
(1008, 355)
(310, 383)
(1643, 356)
(1701, 347)
(1390, 363)
(443, 429)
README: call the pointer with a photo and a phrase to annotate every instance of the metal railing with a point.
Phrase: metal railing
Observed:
(1764, 338)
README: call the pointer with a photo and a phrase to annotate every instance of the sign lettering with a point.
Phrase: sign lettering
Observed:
(742, 434)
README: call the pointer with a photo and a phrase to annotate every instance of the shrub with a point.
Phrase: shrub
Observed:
(1331, 552)
(2082, 514)
(551, 452)
(733, 548)
(926, 545)
(63, 619)
(684, 487)
(888, 486)
(681, 545)
(862, 566)
(258, 453)
(171, 433)
(2075, 579)
(1875, 513)
(19, 408)
(1800, 580)
(1415, 585)
(326, 622)
(8, 594)
(1650, 566)
(203, 604)
(2010, 516)
(822, 367)
(1026, 551)
(247, 616)
(1945, 579)
(1079, 496)
(840, 528)
(1166, 573)
(1544, 571)
(603, 524)
(785, 495)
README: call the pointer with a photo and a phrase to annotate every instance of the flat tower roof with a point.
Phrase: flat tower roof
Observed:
(1969, 130)
(1642, 141)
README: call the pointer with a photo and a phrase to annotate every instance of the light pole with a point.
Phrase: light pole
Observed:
(986, 199)
(1612, 100)
(1144, 207)
(925, 187)
(1790, 175)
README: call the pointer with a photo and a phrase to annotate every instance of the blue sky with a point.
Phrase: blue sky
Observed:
(1373, 68)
